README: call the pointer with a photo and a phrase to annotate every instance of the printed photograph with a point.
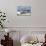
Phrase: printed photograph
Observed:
(24, 11)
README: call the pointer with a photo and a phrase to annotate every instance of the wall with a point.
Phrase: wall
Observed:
(38, 14)
(37, 18)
